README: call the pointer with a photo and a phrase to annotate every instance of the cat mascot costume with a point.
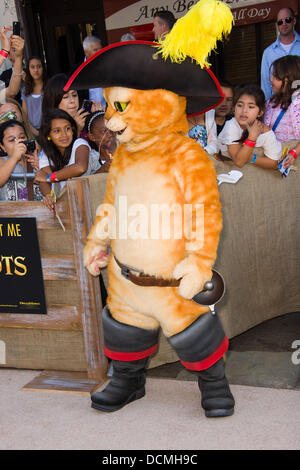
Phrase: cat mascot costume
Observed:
(154, 273)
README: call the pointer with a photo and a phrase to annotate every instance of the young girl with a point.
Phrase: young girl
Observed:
(12, 136)
(102, 141)
(283, 108)
(203, 129)
(63, 156)
(244, 134)
(32, 94)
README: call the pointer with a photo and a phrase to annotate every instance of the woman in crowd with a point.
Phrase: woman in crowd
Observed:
(56, 97)
(12, 136)
(63, 156)
(101, 140)
(244, 134)
(283, 108)
(32, 94)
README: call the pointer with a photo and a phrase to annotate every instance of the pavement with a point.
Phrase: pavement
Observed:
(263, 371)
(169, 417)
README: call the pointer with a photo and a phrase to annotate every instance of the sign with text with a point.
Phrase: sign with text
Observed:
(128, 13)
(21, 277)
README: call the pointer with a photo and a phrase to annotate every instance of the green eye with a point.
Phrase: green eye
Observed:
(120, 106)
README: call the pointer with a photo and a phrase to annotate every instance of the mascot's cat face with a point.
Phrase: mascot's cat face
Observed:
(137, 115)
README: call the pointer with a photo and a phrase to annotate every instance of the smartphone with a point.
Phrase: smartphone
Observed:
(87, 105)
(16, 28)
(30, 145)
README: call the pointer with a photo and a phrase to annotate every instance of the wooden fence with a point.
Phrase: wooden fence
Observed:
(67, 343)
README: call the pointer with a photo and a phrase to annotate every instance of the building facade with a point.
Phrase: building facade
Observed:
(54, 29)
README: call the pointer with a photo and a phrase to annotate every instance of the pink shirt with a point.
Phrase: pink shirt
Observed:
(289, 126)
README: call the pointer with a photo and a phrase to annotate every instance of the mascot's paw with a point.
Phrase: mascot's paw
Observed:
(95, 257)
(193, 277)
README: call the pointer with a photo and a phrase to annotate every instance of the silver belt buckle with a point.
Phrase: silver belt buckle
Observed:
(126, 269)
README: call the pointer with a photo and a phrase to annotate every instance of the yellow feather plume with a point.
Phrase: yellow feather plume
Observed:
(196, 34)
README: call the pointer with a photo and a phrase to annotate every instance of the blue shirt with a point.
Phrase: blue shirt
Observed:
(96, 95)
(271, 53)
(199, 133)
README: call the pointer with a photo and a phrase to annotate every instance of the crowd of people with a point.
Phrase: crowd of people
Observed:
(69, 133)
(251, 125)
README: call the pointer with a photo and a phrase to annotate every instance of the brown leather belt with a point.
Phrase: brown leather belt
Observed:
(143, 279)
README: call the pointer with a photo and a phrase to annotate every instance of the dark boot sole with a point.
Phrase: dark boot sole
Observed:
(219, 413)
(108, 408)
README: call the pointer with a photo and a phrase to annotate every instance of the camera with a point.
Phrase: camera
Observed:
(16, 28)
(87, 105)
(30, 145)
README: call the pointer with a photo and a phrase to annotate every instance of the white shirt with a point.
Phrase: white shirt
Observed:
(92, 166)
(232, 132)
(44, 160)
(211, 129)
(287, 47)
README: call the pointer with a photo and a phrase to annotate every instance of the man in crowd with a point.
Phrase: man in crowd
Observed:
(92, 44)
(163, 22)
(287, 43)
(223, 112)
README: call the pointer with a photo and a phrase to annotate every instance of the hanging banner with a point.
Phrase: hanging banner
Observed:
(257, 12)
(21, 278)
(126, 14)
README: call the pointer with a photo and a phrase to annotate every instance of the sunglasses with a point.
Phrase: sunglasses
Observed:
(287, 20)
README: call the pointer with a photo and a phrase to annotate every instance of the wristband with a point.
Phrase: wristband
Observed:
(5, 50)
(48, 178)
(3, 53)
(15, 74)
(254, 158)
(293, 152)
(250, 143)
(53, 177)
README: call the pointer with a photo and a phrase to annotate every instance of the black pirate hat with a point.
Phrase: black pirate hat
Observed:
(173, 65)
(137, 64)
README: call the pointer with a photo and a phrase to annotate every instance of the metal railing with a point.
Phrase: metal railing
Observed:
(21, 176)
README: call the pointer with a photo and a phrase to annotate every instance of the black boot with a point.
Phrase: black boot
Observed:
(127, 384)
(129, 349)
(201, 347)
(217, 399)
